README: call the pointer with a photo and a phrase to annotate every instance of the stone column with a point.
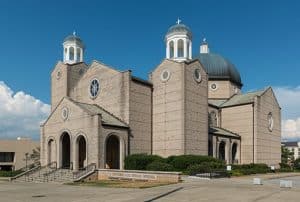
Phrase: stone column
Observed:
(190, 50)
(168, 50)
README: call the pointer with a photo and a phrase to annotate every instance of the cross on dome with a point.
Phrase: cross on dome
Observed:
(178, 21)
(74, 33)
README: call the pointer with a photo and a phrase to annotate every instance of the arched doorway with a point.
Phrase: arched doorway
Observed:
(234, 152)
(66, 153)
(222, 151)
(113, 152)
(81, 152)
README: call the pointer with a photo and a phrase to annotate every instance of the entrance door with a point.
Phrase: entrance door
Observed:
(222, 151)
(65, 141)
(81, 152)
(113, 152)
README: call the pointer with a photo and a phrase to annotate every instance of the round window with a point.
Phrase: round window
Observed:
(94, 88)
(214, 86)
(270, 122)
(197, 75)
(64, 113)
(165, 75)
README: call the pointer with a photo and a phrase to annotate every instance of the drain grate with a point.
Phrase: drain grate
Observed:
(38, 196)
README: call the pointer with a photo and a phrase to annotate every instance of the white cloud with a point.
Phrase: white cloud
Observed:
(20, 113)
(289, 100)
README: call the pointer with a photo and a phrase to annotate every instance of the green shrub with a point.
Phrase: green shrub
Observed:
(204, 167)
(182, 162)
(9, 173)
(297, 164)
(284, 167)
(159, 166)
(247, 169)
(140, 161)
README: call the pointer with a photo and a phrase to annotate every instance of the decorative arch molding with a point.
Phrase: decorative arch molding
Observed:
(79, 160)
(61, 150)
(122, 149)
(51, 149)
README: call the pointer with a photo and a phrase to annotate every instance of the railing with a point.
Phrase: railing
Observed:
(214, 174)
(89, 169)
(26, 173)
(51, 165)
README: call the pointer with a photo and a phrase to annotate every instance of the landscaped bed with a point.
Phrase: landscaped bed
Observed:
(120, 184)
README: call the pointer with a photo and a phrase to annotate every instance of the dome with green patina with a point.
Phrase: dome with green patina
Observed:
(219, 68)
(179, 29)
(75, 39)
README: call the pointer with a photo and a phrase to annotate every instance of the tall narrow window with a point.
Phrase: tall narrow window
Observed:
(180, 48)
(78, 54)
(187, 51)
(71, 53)
(171, 46)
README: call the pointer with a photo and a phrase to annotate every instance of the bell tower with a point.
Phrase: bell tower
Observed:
(73, 49)
(179, 42)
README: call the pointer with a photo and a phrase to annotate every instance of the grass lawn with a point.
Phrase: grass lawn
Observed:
(120, 184)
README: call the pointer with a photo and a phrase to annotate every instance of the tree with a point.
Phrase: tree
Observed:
(287, 156)
(35, 156)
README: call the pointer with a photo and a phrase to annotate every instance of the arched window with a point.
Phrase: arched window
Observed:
(71, 53)
(234, 153)
(171, 47)
(188, 48)
(180, 48)
(222, 151)
(212, 119)
(78, 54)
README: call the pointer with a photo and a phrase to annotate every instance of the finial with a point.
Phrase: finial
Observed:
(178, 21)
(204, 40)
(74, 33)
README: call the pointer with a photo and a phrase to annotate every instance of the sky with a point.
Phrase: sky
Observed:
(261, 38)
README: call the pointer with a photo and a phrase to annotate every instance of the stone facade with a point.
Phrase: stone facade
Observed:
(188, 106)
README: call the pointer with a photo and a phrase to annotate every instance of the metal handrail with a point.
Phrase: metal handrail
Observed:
(86, 171)
(39, 167)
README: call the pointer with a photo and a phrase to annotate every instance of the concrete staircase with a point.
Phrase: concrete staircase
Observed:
(50, 173)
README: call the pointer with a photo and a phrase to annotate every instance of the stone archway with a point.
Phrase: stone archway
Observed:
(51, 151)
(112, 160)
(222, 150)
(66, 150)
(234, 153)
(82, 152)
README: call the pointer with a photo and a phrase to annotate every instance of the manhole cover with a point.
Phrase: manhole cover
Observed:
(38, 196)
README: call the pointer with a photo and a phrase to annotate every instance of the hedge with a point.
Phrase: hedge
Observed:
(159, 166)
(174, 163)
(182, 162)
(140, 161)
(204, 167)
(247, 169)
(10, 173)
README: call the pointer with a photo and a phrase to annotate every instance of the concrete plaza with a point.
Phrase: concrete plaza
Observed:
(234, 189)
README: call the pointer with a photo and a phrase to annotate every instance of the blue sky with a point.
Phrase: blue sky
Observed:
(261, 38)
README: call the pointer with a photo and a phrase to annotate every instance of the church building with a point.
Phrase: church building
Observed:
(190, 104)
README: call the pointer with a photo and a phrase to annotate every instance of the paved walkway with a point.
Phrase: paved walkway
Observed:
(234, 189)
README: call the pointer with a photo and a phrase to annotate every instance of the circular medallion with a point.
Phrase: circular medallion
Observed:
(197, 75)
(94, 88)
(270, 122)
(64, 113)
(214, 86)
(165, 75)
(81, 71)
